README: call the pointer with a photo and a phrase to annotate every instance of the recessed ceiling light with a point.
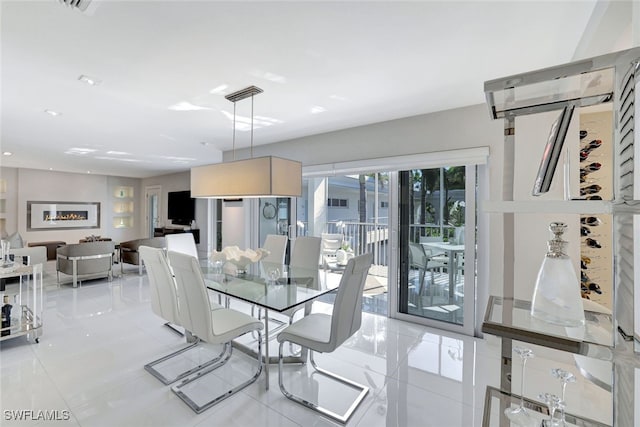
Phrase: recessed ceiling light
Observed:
(218, 89)
(52, 113)
(317, 109)
(89, 80)
(187, 106)
(7, 153)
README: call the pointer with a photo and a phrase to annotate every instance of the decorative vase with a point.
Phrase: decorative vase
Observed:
(556, 297)
(458, 236)
(239, 258)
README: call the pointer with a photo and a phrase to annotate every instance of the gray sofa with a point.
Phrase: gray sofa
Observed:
(129, 251)
(85, 260)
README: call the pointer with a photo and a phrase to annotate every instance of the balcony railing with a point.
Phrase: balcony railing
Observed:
(364, 237)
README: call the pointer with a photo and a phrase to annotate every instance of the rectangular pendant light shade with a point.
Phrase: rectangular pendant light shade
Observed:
(259, 177)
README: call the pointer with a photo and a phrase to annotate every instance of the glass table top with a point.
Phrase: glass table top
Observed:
(298, 287)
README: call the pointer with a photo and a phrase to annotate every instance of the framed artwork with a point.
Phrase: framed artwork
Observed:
(62, 215)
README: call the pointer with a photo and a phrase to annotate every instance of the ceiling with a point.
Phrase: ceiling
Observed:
(323, 66)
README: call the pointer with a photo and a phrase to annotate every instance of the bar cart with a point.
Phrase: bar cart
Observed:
(26, 313)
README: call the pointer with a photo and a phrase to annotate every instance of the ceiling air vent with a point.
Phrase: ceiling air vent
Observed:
(79, 4)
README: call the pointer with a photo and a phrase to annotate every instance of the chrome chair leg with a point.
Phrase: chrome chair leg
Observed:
(150, 367)
(174, 329)
(178, 388)
(324, 411)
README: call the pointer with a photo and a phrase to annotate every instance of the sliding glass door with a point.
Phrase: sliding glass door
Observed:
(350, 213)
(436, 248)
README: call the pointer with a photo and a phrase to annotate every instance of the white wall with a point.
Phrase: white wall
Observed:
(465, 127)
(39, 185)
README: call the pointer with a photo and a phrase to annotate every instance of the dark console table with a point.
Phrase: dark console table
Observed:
(159, 232)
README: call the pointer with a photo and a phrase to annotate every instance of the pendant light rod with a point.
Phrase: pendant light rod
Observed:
(251, 149)
(239, 95)
(234, 131)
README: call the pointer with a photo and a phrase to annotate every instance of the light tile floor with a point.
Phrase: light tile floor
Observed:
(89, 363)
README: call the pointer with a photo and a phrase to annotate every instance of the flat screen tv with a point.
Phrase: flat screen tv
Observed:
(552, 151)
(181, 207)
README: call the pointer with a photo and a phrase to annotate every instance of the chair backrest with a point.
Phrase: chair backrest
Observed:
(162, 288)
(331, 243)
(417, 256)
(306, 253)
(305, 259)
(183, 243)
(347, 308)
(195, 309)
(427, 239)
(276, 244)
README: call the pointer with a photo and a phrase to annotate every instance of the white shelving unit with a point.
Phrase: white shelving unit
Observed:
(613, 80)
(123, 207)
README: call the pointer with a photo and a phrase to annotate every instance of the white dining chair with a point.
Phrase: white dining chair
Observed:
(324, 333)
(276, 244)
(212, 326)
(306, 253)
(304, 262)
(164, 303)
(183, 243)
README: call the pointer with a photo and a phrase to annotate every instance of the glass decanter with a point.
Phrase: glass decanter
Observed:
(556, 298)
(518, 414)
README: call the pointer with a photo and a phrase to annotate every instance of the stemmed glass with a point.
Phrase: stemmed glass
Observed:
(565, 377)
(519, 414)
(4, 249)
(553, 403)
(273, 275)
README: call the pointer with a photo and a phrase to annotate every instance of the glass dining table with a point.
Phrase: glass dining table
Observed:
(295, 288)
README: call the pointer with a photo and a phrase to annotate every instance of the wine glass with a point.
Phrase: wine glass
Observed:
(565, 377)
(519, 415)
(553, 403)
(273, 275)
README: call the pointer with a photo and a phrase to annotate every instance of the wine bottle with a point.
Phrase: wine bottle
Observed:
(591, 167)
(592, 243)
(590, 189)
(6, 317)
(590, 221)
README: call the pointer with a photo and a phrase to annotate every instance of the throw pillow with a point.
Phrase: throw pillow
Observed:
(15, 241)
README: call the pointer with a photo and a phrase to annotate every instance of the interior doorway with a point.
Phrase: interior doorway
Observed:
(153, 195)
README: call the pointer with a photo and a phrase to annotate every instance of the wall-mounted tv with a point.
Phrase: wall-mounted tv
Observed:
(181, 207)
(552, 151)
